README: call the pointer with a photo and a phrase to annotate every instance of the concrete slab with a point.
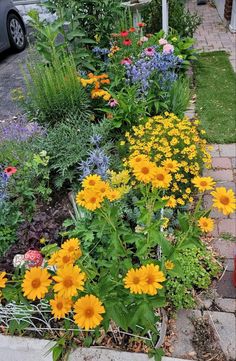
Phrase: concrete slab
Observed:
(226, 304)
(225, 287)
(27, 349)
(183, 347)
(225, 326)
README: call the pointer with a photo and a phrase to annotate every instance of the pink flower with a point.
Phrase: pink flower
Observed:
(163, 41)
(10, 170)
(143, 39)
(124, 33)
(127, 42)
(149, 51)
(126, 61)
(168, 49)
(113, 103)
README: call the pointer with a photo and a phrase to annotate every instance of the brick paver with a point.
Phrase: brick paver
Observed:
(213, 34)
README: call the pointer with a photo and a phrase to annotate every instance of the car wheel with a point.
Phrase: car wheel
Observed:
(16, 32)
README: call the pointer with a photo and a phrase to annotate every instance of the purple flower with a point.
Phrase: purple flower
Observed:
(20, 131)
(3, 185)
(163, 41)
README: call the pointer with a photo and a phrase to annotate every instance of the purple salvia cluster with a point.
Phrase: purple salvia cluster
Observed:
(97, 161)
(100, 51)
(20, 131)
(159, 67)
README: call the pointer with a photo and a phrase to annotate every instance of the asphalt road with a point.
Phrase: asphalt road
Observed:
(10, 78)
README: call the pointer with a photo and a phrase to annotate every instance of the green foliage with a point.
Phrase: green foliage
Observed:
(198, 267)
(7, 237)
(179, 97)
(66, 144)
(53, 92)
(180, 19)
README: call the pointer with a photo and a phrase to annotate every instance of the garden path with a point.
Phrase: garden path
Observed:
(213, 34)
(218, 304)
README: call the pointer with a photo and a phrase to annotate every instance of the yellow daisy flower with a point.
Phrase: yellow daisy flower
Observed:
(91, 181)
(88, 310)
(71, 245)
(206, 224)
(53, 259)
(224, 200)
(135, 280)
(153, 278)
(170, 165)
(135, 160)
(161, 178)
(60, 306)
(203, 183)
(144, 171)
(36, 283)
(113, 195)
(89, 199)
(69, 280)
(3, 280)
(64, 258)
(169, 265)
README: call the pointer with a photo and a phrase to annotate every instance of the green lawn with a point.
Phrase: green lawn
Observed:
(215, 83)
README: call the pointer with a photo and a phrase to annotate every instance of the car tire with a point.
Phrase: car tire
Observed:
(16, 32)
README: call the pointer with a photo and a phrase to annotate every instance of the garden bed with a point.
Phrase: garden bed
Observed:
(102, 221)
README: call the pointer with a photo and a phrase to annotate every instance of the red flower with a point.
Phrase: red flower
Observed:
(132, 30)
(127, 42)
(10, 170)
(124, 33)
(141, 25)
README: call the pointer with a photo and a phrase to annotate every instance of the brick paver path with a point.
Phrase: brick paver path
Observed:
(213, 34)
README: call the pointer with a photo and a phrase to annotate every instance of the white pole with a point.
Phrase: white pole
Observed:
(165, 16)
(232, 26)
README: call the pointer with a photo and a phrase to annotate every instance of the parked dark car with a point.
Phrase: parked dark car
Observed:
(12, 27)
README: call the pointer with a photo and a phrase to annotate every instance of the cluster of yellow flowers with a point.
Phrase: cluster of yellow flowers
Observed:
(67, 282)
(97, 81)
(146, 279)
(120, 180)
(175, 145)
(94, 191)
(223, 199)
(113, 50)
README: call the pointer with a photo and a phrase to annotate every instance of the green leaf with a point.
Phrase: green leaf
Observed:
(57, 352)
(88, 341)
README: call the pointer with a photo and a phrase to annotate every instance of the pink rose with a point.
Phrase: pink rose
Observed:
(162, 41)
(168, 49)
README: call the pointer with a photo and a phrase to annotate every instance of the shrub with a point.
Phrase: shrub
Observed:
(198, 268)
(53, 92)
(180, 19)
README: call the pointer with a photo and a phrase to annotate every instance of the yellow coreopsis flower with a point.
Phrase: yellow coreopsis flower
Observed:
(113, 195)
(153, 279)
(91, 181)
(161, 178)
(203, 183)
(3, 280)
(89, 199)
(36, 283)
(69, 280)
(170, 165)
(206, 224)
(64, 258)
(224, 200)
(60, 306)
(169, 265)
(88, 310)
(135, 280)
(144, 171)
(71, 245)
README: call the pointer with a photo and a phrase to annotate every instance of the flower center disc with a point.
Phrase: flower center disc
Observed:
(89, 312)
(66, 259)
(150, 280)
(36, 283)
(203, 183)
(135, 280)
(68, 282)
(93, 200)
(71, 249)
(145, 170)
(224, 200)
(160, 177)
(92, 182)
(59, 305)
